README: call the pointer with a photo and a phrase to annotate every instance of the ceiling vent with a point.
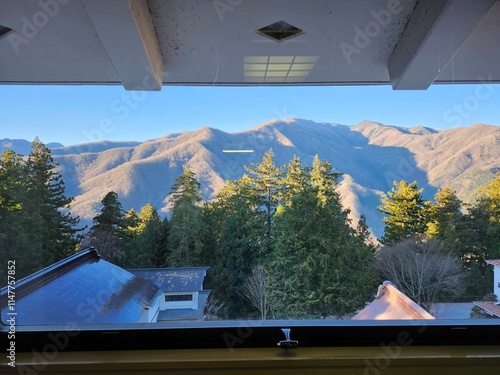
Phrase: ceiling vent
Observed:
(4, 31)
(280, 31)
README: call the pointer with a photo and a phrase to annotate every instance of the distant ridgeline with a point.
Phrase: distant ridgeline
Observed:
(370, 155)
(291, 206)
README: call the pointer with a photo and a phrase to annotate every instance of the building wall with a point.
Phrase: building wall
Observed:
(192, 304)
(150, 314)
(496, 281)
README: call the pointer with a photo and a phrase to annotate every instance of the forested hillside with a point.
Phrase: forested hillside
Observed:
(278, 240)
(370, 155)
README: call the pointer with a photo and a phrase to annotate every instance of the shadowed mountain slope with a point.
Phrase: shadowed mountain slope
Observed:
(371, 156)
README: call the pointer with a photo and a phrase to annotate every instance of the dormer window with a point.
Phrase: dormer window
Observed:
(178, 297)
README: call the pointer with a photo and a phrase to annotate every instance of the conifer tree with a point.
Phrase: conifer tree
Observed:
(12, 181)
(404, 210)
(267, 180)
(475, 239)
(186, 187)
(149, 246)
(36, 224)
(324, 179)
(45, 187)
(13, 218)
(319, 265)
(186, 226)
(236, 220)
(294, 181)
(443, 214)
(112, 217)
(110, 231)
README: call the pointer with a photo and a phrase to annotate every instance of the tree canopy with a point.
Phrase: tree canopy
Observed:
(36, 223)
(404, 212)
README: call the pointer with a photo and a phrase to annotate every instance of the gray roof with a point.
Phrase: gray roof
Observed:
(80, 289)
(182, 279)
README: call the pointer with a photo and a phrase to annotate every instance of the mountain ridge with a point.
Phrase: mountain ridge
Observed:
(371, 155)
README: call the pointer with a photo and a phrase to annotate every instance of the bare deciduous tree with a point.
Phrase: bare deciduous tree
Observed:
(106, 244)
(422, 270)
(255, 290)
(214, 309)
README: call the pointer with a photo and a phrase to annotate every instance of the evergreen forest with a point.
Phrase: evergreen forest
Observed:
(278, 241)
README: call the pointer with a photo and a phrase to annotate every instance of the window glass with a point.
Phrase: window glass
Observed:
(261, 203)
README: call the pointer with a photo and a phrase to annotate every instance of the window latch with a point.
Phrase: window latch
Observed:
(287, 343)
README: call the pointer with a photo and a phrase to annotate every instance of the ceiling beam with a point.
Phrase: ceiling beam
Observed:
(434, 33)
(127, 33)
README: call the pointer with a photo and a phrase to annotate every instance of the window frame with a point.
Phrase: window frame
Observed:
(254, 334)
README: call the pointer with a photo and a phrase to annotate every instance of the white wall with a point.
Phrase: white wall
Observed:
(150, 314)
(496, 281)
(193, 304)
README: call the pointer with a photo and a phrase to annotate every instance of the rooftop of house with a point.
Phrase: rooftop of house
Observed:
(390, 303)
(80, 289)
(492, 308)
(182, 279)
(494, 262)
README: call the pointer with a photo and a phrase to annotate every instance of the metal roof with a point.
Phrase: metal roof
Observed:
(390, 303)
(492, 308)
(494, 262)
(146, 44)
(80, 289)
(182, 279)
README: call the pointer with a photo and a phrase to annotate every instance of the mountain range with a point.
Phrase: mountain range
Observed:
(370, 155)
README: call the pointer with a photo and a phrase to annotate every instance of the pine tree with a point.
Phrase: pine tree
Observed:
(489, 201)
(443, 215)
(12, 217)
(236, 220)
(46, 188)
(186, 226)
(186, 187)
(110, 231)
(12, 182)
(364, 235)
(294, 181)
(112, 217)
(475, 239)
(267, 180)
(149, 246)
(35, 217)
(319, 265)
(404, 210)
(324, 179)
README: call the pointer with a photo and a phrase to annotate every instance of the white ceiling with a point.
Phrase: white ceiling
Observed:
(148, 44)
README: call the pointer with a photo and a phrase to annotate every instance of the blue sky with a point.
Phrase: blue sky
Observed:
(78, 114)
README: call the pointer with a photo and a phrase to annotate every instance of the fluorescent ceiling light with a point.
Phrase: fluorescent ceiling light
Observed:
(278, 69)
